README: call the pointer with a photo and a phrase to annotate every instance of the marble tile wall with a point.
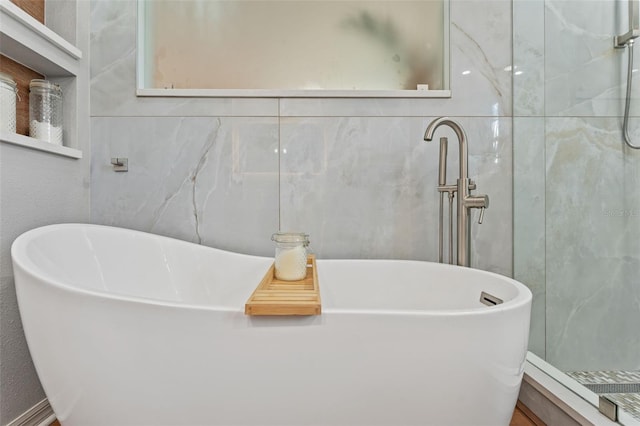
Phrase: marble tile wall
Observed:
(480, 38)
(193, 178)
(583, 72)
(529, 220)
(354, 173)
(593, 281)
(361, 185)
(575, 207)
(528, 160)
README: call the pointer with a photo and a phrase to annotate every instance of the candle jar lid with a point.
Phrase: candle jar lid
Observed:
(294, 238)
(7, 79)
(45, 84)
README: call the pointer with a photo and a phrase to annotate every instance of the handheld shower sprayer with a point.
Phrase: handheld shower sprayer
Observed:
(620, 42)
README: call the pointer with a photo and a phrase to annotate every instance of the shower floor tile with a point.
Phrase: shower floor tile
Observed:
(621, 387)
(596, 377)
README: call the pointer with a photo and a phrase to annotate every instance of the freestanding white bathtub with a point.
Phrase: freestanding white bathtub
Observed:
(128, 328)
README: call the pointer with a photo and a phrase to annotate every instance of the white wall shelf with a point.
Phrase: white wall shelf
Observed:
(27, 41)
(31, 143)
(36, 46)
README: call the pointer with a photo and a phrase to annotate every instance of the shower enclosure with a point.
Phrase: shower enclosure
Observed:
(577, 192)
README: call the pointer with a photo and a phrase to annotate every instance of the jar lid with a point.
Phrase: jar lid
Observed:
(45, 84)
(290, 237)
(6, 78)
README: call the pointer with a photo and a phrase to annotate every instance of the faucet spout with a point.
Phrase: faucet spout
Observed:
(462, 141)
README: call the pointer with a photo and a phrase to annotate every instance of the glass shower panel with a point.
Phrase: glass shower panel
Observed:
(529, 161)
(306, 44)
(593, 261)
(570, 156)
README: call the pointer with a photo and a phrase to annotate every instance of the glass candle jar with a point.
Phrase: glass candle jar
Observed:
(8, 92)
(291, 255)
(45, 111)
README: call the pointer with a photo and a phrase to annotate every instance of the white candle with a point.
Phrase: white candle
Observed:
(46, 132)
(291, 263)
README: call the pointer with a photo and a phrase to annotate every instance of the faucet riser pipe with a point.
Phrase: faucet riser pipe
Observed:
(463, 223)
(440, 229)
(451, 228)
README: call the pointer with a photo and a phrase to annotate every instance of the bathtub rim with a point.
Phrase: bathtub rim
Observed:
(19, 258)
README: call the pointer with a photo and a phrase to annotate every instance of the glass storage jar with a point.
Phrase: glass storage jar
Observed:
(45, 111)
(291, 255)
(8, 91)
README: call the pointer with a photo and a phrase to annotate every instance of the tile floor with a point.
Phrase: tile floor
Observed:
(621, 387)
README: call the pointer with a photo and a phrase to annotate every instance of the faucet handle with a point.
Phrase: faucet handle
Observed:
(477, 202)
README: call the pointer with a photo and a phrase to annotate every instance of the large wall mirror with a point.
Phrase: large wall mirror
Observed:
(395, 48)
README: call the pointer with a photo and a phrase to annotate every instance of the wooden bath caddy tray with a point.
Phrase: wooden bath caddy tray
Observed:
(278, 297)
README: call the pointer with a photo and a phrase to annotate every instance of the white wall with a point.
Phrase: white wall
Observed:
(37, 188)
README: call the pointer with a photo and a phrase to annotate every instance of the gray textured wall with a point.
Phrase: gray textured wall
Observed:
(38, 188)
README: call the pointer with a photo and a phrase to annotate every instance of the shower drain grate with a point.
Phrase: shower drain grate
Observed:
(613, 387)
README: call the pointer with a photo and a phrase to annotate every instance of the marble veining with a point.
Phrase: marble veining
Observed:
(194, 178)
(575, 203)
(370, 186)
(529, 220)
(472, 50)
(528, 58)
(187, 179)
(362, 187)
(480, 45)
(592, 283)
(355, 173)
(113, 73)
(585, 75)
